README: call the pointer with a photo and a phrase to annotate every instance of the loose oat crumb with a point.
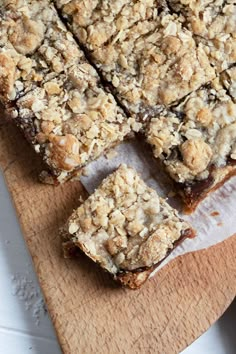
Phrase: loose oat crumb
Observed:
(111, 154)
(85, 171)
(215, 213)
(81, 199)
(171, 194)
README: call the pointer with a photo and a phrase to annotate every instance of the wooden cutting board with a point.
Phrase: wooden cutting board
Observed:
(91, 314)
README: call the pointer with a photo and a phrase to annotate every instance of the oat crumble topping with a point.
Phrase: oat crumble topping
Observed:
(124, 225)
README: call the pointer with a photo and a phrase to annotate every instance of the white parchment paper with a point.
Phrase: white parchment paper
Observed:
(214, 220)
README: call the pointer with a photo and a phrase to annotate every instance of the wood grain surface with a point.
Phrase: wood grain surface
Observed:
(91, 314)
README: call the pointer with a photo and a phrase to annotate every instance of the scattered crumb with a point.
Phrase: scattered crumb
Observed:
(85, 172)
(25, 290)
(215, 213)
(46, 178)
(111, 154)
(77, 175)
(220, 224)
(81, 199)
(171, 194)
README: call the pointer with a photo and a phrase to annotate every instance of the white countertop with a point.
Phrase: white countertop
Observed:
(25, 326)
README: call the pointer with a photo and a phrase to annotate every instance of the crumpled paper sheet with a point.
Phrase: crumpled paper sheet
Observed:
(214, 220)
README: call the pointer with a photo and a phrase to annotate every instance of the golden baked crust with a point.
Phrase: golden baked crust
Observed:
(228, 79)
(125, 227)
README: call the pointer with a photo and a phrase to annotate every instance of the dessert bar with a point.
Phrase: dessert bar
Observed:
(125, 227)
(34, 47)
(197, 139)
(142, 50)
(70, 120)
(53, 93)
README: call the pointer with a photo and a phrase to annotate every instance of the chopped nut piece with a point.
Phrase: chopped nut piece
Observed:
(128, 247)
(73, 228)
(57, 98)
(196, 154)
(64, 152)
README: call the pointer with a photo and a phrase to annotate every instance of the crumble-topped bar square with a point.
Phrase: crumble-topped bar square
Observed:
(150, 61)
(34, 47)
(57, 98)
(214, 25)
(71, 120)
(197, 140)
(125, 227)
